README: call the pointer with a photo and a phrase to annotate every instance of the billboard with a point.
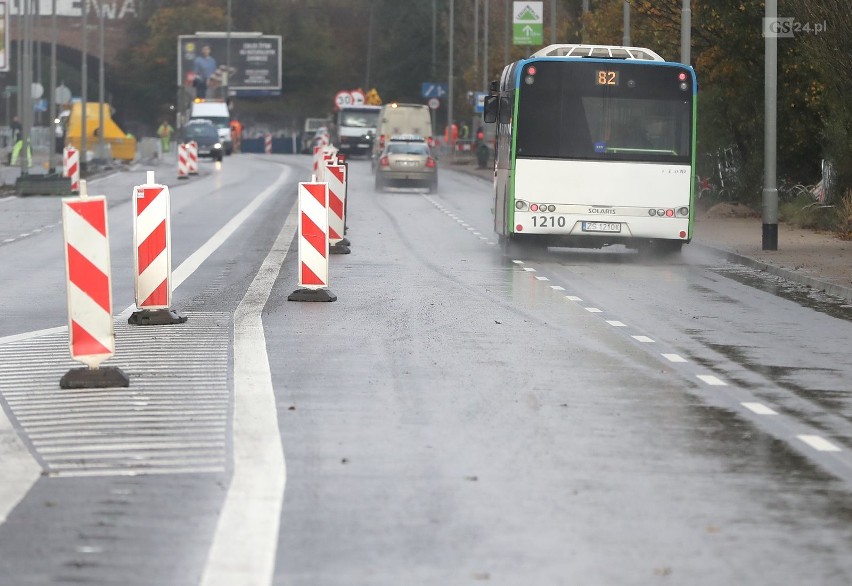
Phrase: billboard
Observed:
(255, 64)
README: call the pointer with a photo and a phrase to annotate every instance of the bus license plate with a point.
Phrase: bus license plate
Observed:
(601, 227)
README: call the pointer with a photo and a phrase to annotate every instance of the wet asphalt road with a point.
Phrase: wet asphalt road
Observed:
(462, 416)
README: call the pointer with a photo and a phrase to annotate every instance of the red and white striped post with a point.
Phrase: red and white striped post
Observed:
(192, 157)
(267, 143)
(183, 161)
(89, 290)
(313, 244)
(152, 263)
(71, 166)
(335, 176)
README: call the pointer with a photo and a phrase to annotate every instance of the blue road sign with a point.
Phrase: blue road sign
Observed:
(433, 90)
(479, 102)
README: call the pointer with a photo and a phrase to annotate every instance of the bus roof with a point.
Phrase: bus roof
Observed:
(599, 52)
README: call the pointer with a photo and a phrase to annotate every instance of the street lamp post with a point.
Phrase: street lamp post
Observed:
(101, 87)
(770, 108)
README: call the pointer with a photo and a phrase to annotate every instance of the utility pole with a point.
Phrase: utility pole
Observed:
(450, 80)
(552, 22)
(485, 51)
(685, 32)
(770, 138)
(51, 163)
(626, 39)
(101, 86)
(84, 95)
(369, 47)
(228, 56)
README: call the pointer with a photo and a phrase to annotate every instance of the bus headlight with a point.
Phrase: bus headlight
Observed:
(652, 212)
(684, 211)
(520, 205)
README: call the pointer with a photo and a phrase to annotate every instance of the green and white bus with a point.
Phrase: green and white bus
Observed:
(595, 146)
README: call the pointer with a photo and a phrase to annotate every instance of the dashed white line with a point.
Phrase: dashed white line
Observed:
(593, 310)
(572, 298)
(674, 358)
(712, 380)
(8, 240)
(643, 339)
(818, 443)
(529, 269)
(542, 279)
(615, 323)
(759, 408)
(557, 288)
(518, 262)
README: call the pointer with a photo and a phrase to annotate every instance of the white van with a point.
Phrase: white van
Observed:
(216, 111)
(402, 119)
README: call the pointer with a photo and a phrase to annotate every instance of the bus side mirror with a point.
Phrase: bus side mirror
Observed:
(490, 112)
(505, 110)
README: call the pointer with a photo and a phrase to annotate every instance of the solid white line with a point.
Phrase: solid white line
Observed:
(20, 470)
(643, 339)
(615, 323)
(674, 358)
(246, 540)
(712, 380)
(818, 443)
(759, 408)
(34, 334)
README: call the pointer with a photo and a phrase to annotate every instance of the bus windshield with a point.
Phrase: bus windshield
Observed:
(605, 111)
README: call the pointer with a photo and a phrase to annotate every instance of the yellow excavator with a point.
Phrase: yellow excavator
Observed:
(123, 147)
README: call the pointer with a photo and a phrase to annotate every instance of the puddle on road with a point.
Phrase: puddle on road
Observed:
(800, 294)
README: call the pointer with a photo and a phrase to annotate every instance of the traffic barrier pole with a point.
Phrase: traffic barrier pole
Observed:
(71, 167)
(342, 160)
(87, 268)
(152, 263)
(313, 244)
(267, 144)
(335, 176)
(183, 161)
(192, 157)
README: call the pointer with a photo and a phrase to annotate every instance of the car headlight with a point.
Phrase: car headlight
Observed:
(217, 146)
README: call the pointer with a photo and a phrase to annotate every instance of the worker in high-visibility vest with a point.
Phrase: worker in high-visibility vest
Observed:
(165, 132)
(16, 152)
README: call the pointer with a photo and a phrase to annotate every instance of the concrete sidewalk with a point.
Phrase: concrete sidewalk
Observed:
(815, 259)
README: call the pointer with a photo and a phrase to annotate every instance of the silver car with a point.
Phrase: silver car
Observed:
(407, 162)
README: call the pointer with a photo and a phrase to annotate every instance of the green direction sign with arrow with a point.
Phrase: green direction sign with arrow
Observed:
(528, 23)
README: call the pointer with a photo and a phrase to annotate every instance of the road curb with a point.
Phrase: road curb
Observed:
(828, 287)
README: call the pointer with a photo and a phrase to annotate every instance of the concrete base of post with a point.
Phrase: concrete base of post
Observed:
(339, 248)
(312, 295)
(94, 378)
(155, 317)
(345, 241)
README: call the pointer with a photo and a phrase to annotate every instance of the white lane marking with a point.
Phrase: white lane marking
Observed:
(518, 262)
(615, 323)
(674, 358)
(557, 288)
(529, 269)
(33, 334)
(759, 408)
(643, 339)
(542, 279)
(8, 197)
(8, 240)
(20, 469)
(593, 310)
(477, 233)
(818, 443)
(246, 540)
(572, 298)
(712, 380)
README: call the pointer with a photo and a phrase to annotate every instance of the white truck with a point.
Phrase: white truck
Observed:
(356, 128)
